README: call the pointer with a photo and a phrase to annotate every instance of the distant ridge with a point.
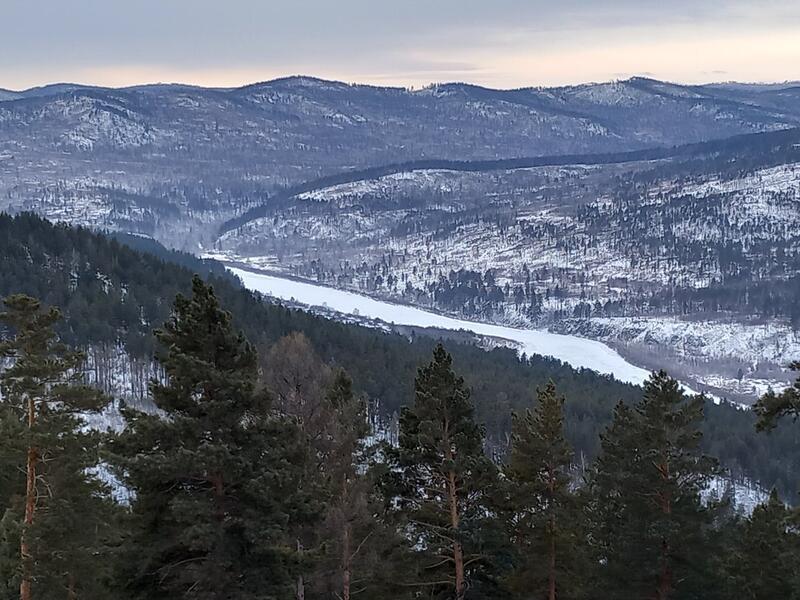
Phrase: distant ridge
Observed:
(177, 161)
(68, 87)
(754, 143)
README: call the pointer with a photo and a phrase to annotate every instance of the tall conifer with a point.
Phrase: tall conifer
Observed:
(772, 407)
(650, 522)
(56, 515)
(352, 535)
(216, 476)
(764, 555)
(446, 479)
(545, 521)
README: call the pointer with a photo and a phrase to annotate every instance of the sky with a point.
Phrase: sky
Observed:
(410, 43)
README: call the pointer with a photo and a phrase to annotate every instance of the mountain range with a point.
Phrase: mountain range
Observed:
(139, 157)
(659, 218)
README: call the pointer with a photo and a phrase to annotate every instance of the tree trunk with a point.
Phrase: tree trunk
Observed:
(346, 563)
(458, 551)
(452, 498)
(300, 590)
(72, 588)
(551, 568)
(218, 482)
(665, 574)
(30, 508)
(458, 558)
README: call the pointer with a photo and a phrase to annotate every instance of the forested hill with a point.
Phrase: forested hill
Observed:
(740, 153)
(112, 294)
(177, 161)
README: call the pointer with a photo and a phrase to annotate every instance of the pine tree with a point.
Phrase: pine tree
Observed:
(446, 480)
(613, 528)
(352, 534)
(545, 522)
(772, 407)
(299, 381)
(57, 512)
(12, 491)
(352, 551)
(766, 549)
(650, 525)
(217, 476)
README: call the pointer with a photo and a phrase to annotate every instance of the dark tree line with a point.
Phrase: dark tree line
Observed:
(736, 154)
(111, 294)
(688, 254)
(263, 478)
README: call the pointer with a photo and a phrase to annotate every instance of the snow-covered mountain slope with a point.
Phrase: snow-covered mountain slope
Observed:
(733, 359)
(702, 250)
(693, 234)
(151, 155)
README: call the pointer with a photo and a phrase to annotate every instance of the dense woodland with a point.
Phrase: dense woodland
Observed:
(263, 478)
(110, 293)
(266, 453)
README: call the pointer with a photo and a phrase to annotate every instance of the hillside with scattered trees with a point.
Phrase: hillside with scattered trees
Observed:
(256, 480)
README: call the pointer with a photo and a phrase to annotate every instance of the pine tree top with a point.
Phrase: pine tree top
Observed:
(211, 367)
(43, 368)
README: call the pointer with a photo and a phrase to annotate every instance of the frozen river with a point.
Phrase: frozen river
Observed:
(578, 352)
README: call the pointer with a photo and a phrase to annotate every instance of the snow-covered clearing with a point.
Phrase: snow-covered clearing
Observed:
(577, 352)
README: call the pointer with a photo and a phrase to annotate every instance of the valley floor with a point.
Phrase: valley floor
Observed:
(730, 361)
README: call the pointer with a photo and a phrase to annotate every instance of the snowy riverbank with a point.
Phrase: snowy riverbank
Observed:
(576, 351)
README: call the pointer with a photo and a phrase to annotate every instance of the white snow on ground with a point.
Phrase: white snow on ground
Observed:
(770, 341)
(761, 349)
(578, 352)
(118, 491)
(783, 178)
(431, 179)
(744, 495)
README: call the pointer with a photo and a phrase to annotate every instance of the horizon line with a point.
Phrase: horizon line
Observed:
(432, 84)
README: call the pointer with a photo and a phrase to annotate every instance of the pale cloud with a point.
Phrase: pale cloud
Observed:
(692, 57)
(504, 43)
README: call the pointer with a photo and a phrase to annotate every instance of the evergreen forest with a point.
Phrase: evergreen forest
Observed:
(276, 454)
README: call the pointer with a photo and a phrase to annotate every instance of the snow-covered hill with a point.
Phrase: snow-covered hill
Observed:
(696, 234)
(702, 251)
(206, 155)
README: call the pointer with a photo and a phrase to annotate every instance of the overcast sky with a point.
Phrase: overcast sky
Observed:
(498, 43)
